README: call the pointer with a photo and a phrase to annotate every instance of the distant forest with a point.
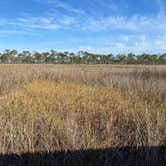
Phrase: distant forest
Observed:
(56, 57)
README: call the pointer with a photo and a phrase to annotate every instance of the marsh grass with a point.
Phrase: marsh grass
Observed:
(48, 108)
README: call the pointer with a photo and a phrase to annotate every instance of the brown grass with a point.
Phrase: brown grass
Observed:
(59, 107)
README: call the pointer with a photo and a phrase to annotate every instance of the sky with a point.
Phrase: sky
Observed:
(99, 26)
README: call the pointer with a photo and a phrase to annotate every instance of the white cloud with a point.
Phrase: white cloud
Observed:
(134, 23)
(16, 32)
(135, 43)
(45, 23)
(36, 23)
(67, 20)
(63, 5)
(124, 38)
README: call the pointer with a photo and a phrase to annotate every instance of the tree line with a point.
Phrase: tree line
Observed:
(82, 57)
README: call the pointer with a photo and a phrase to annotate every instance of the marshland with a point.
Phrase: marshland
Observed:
(47, 108)
(72, 107)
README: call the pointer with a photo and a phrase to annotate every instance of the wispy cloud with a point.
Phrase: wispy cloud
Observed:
(135, 43)
(43, 23)
(67, 20)
(62, 5)
(16, 32)
(109, 5)
(36, 23)
(135, 23)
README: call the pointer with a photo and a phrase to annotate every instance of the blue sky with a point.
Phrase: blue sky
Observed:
(100, 26)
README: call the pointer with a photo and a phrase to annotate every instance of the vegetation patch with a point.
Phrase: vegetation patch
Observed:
(47, 115)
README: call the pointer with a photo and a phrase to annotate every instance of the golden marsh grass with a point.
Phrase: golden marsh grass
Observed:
(60, 107)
